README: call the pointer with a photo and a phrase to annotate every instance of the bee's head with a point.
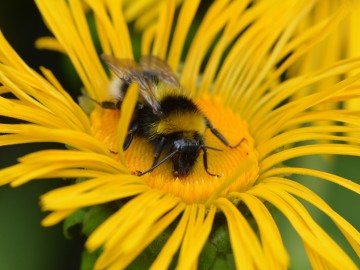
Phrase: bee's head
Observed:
(188, 150)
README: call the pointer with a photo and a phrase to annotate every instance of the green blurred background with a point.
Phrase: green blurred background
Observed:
(25, 245)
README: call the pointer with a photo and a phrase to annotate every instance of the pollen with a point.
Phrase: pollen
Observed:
(198, 186)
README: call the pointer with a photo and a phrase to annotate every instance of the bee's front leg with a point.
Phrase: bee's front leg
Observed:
(158, 150)
(220, 136)
(205, 160)
(159, 147)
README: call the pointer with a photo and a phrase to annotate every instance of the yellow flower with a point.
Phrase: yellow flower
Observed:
(233, 71)
(342, 42)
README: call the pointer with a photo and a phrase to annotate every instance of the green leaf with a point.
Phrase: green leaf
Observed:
(220, 263)
(221, 239)
(230, 261)
(88, 260)
(73, 223)
(207, 256)
(94, 217)
(156, 245)
(145, 259)
(142, 262)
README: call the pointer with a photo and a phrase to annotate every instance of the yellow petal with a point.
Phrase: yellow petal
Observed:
(245, 245)
(310, 232)
(198, 230)
(274, 249)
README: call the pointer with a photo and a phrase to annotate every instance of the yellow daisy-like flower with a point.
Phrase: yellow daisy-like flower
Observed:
(342, 42)
(233, 72)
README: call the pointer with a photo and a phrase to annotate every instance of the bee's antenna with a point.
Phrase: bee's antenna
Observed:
(157, 164)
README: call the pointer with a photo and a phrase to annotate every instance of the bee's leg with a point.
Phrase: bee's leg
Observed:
(116, 105)
(220, 136)
(112, 105)
(128, 141)
(205, 160)
(158, 164)
(158, 150)
(134, 127)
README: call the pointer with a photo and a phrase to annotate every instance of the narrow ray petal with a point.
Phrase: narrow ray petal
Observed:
(199, 230)
(306, 150)
(273, 246)
(309, 231)
(351, 185)
(306, 194)
(245, 244)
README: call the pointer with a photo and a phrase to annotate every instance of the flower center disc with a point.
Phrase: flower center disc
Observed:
(198, 186)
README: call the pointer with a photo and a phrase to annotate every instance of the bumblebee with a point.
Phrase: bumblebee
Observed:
(164, 115)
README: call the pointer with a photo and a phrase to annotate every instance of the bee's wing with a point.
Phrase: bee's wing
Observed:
(128, 71)
(156, 67)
